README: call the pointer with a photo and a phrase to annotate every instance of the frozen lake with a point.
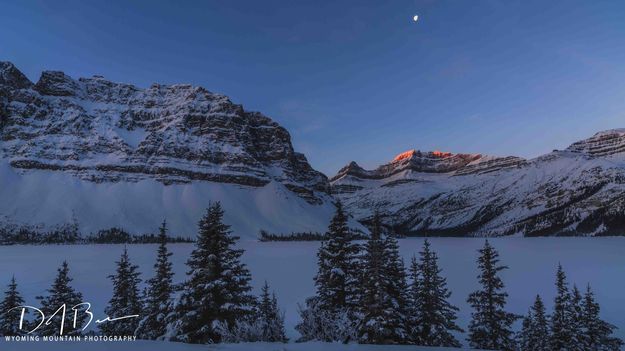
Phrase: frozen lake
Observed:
(290, 266)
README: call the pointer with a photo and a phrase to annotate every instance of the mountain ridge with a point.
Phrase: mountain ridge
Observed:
(575, 191)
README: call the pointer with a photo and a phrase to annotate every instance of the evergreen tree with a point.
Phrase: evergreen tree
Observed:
(158, 295)
(10, 317)
(318, 324)
(383, 299)
(575, 317)
(126, 301)
(270, 318)
(490, 326)
(414, 302)
(397, 280)
(534, 335)
(217, 289)
(337, 283)
(266, 324)
(597, 333)
(561, 320)
(435, 316)
(523, 337)
(59, 295)
(337, 278)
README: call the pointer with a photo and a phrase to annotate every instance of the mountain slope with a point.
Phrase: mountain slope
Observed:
(577, 191)
(115, 154)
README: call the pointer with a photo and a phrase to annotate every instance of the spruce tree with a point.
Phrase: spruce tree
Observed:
(523, 337)
(414, 302)
(561, 320)
(217, 289)
(330, 314)
(337, 278)
(126, 301)
(266, 324)
(490, 326)
(270, 318)
(62, 294)
(534, 335)
(397, 288)
(158, 295)
(383, 300)
(597, 333)
(10, 316)
(435, 316)
(575, 317)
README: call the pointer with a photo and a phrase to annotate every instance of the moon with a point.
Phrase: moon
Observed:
(415, 18)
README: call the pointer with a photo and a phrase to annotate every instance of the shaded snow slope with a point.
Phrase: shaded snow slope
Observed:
(52, 198)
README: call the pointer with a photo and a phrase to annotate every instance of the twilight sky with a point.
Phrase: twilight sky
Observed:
(356, 80)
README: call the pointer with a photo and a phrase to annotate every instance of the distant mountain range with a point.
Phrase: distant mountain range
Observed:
(576, 191)
(109, 154)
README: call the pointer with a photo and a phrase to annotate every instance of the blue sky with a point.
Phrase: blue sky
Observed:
(356, 80)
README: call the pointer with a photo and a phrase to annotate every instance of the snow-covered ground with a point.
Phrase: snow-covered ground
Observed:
(140, 207)
(170, 346)
(290, 267)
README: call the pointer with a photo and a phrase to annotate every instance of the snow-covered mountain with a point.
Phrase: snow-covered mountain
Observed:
(112, 154)
(576, 191)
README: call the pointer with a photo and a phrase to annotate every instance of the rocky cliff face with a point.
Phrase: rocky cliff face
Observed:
(101, 132)
(577, 191)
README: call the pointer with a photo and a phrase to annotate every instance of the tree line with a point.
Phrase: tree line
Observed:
(364, 294)
(70, 234)
(214, 304)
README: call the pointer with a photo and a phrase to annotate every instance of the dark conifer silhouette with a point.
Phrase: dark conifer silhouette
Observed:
(270, 319)
(383, 300)
(337, 278)
(126, 301)
(534, 335)
(434, 317)
(10, 315)
(490, 326)
(217, 289)
(62, 294)
(561, 319)
(330, 314)
(597, 333)
(158, 295)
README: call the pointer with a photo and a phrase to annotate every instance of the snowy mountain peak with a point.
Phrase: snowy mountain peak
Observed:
(56, 83)
(10, 75)
(404, 155)
(417, 154)
(604, 143)
(414, 161)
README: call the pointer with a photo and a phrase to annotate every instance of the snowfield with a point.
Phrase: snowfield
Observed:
(140, 207)
(289, 268)
(171, 346)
